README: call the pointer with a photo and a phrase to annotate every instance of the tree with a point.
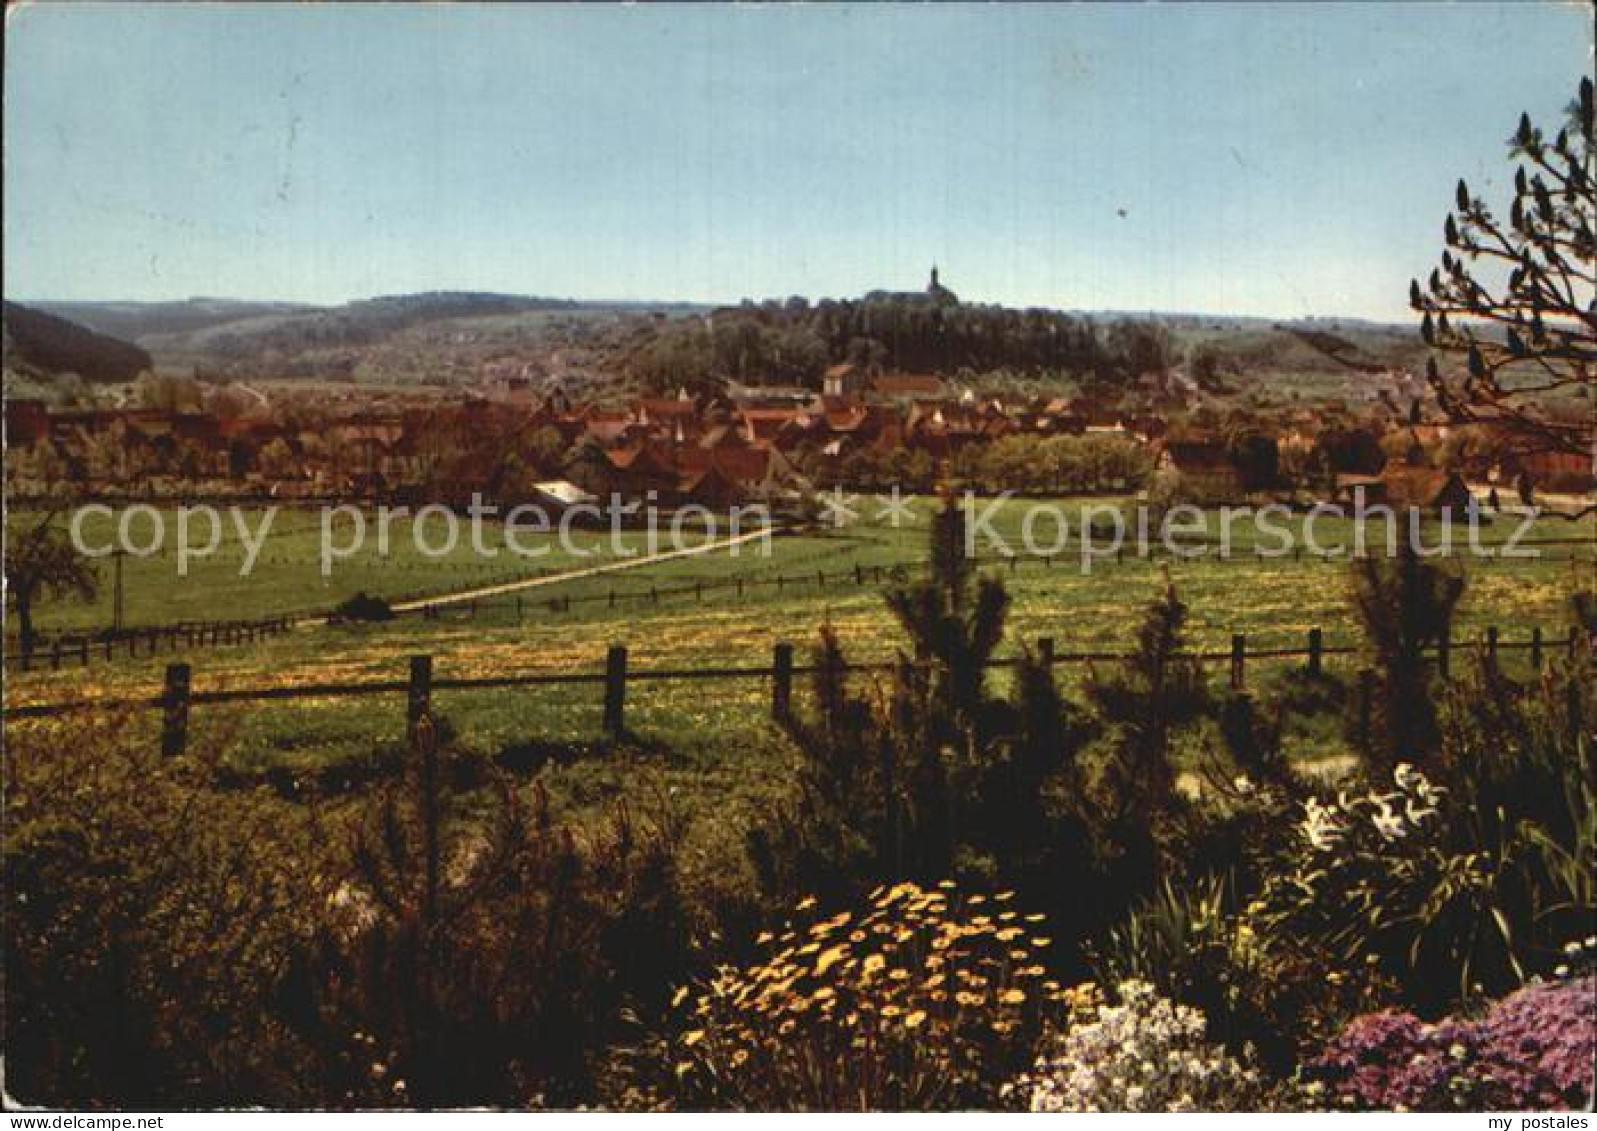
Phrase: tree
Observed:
(1156, 691)
(1515, 298)
(1256, 455)
(953, 619)
(1406, 604)
(44, 563)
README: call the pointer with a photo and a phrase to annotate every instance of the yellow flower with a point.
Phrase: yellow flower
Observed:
(829, 958)
(693, 1038)
(806, 903)
(1012, 997)
(679, 997)
(1044, 941)
(913, 1020)
(873, 963)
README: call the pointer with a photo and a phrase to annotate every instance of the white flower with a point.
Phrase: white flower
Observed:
(1387, 822)
(1320, 825)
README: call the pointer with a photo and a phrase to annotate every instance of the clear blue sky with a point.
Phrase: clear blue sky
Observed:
(1270, 159)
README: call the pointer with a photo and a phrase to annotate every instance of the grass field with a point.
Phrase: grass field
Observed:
(705, 750)
(1274, 601)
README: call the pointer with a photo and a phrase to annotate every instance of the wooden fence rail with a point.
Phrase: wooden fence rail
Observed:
(57, 651)
(178, 696)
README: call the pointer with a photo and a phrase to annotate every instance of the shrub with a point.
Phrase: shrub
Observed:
(926, 1000)
(478, 953)
(1533, 1051)
(364, 607)
(932, 775)
(1522, 791)
(1143, 1054)
(1372, 878)
(146, 916)
(1405, 605)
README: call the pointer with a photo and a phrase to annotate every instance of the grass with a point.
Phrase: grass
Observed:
(1274, 602)
(706, 751)
(287, 576)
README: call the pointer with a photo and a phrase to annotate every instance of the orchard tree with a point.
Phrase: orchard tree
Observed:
(42, 562)
(1514, 296)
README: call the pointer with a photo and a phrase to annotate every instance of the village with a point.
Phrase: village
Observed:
(509, 441)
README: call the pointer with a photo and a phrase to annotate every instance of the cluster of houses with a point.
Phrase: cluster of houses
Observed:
(747, 443)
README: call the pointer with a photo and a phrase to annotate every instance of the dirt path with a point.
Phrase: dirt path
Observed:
(463, 595)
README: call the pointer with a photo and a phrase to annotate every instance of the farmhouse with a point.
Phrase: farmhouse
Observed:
(1426, 488)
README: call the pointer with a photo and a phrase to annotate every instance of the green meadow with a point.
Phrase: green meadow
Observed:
(724, 609)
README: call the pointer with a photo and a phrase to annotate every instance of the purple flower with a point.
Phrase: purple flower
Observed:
(1533, 1051)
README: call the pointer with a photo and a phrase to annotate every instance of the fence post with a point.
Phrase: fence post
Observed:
(1574, 641)
(175, 711)
(1316, 651)
(1366, 696)
(1491, 643)
(419, 697)
(1536, 647)
(1239, 652)
(55, 653)
(781, 681)
(83, 651)
(1045, 652)
(615, 689)
(859, 574)
(1444, 651)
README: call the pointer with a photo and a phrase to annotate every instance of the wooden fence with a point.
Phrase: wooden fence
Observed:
(58, 650)
(178, 696)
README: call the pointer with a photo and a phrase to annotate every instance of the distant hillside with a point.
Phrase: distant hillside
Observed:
(452, 338)
(41, 345)
(135, 320)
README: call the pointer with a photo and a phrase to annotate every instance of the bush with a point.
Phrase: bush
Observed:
(1372, 878)
(927, 1000)
(146, 918)
(364, 607)
(1144, 1054)
(478, 953)
(1533, 1051)
(933, 775)
(1406, 605)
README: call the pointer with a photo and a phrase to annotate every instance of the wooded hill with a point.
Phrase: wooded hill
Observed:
(42, 346)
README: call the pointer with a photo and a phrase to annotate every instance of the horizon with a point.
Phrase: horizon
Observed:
(44, 303)
(322, 155)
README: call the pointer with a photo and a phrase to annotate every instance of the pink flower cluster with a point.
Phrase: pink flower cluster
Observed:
(1534, 1050)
